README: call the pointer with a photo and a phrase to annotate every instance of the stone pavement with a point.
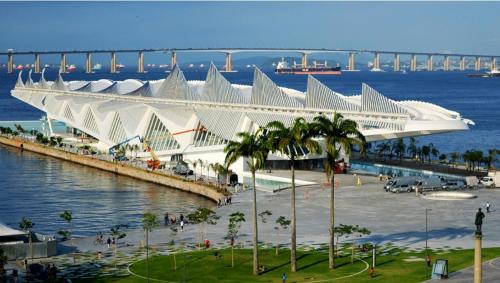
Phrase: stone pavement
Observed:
(395, 218)
(491, 274)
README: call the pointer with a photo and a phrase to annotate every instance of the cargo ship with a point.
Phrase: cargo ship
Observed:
(316, 69)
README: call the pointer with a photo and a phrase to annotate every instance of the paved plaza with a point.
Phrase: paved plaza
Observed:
(395, 218)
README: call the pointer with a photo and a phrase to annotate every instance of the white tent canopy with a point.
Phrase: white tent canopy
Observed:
(6, 231)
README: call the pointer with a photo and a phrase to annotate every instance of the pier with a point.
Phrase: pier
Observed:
(478, 61)
(117, 168)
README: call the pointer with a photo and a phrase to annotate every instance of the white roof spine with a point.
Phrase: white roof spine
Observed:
(320, 96)
(266, 92)
(29, 81)
(59, 83)
(19, 82)
(43, 83)
(372, 101)
(218, 89)
(175, 87)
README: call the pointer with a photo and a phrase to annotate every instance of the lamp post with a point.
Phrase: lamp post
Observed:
(426, 237)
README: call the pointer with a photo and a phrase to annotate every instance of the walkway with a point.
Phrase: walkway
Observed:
(491, 273)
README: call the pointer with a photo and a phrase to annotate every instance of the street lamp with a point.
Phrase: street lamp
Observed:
(426, 237)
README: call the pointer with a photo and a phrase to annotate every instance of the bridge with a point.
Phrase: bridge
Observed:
(479, 61)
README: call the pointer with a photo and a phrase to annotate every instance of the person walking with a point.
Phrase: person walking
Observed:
(283, 278)
(166, 219)
(182, 225)
(109, 242)
(488, 207)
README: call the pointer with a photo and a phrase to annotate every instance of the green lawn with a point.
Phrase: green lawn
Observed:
(204, 266)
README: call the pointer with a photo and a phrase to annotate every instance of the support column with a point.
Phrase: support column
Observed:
(62, 64)
(113, 62)
(397, 65)
(430, 64)
(229, 62)
(376, 61)
(88, 63)
(10, 63)
(478, 276)
(462, 63)
(493, 63)
(173, 59)
(413, 63)
(140, 62)
(38, 69)
(477, 66)
(304, 60)
(446, 63)
(351, 62)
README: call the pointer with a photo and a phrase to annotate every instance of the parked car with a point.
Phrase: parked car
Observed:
(490, 181)
(428, 184)
(454, 185)
(404, 188)
(398, 182)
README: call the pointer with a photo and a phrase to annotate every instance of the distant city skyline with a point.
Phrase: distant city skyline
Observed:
(459, 27)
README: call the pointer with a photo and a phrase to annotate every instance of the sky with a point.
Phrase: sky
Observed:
(462, 27)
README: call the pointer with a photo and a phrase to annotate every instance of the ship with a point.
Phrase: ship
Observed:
(97, 67)
(70, 68)
(316, 69)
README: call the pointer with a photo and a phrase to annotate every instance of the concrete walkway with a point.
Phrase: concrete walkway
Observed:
(491, 273)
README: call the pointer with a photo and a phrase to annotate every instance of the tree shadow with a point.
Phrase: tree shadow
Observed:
(312, 264)
(285, 264)
(413, 237)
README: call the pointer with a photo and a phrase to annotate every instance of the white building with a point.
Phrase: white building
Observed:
(197, 118)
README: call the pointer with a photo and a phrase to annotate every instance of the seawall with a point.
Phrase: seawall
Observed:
(118, 168)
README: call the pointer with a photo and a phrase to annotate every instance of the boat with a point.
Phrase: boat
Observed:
(71, 68)
(162, 66)
(46, 66)
(316, 69)
(97, 67)
(376, 70)
(489, 74)
(191, 65)
(19, 67)
(202, 66)
(120, 66)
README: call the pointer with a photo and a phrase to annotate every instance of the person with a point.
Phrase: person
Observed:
(109, 242)
(113, 241)
(219, 203)
(181, 217)
(487, 207)
(428, 260)
(380, 176)
(166, 219)
(207, 244)
(283, 278)
(479, 220)
(182, 225)
(371, 271)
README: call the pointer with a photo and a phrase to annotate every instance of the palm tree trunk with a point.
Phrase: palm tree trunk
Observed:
(331, 259)
(255, 236)
(147, 254)
(293, 248)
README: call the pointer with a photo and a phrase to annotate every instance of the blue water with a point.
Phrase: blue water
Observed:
(477, 99)
(388, 170)
(40, 187)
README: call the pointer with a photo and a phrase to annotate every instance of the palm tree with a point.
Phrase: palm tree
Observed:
(149, 222)
(255, 148)
(399, 147)
(454, 156)
(426, 152)
(202, 165)
(412, 148)
(382, 149)
(27, 225)
(339, 134)
(291, 142)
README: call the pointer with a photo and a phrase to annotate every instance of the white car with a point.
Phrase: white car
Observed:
(487, 181)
